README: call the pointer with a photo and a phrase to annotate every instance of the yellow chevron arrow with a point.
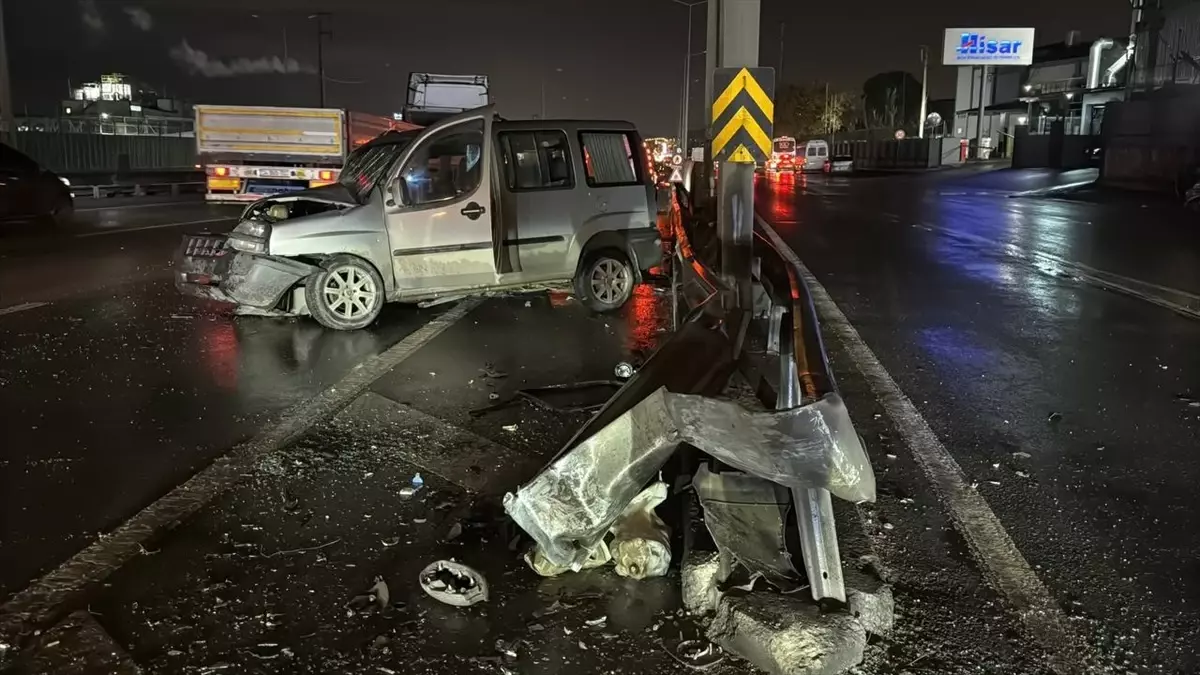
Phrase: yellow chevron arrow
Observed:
(742, 119)
(743, 81)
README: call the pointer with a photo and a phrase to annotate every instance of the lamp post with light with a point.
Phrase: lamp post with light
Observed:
(687, 74)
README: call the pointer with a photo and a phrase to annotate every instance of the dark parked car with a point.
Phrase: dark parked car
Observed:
(27, 191)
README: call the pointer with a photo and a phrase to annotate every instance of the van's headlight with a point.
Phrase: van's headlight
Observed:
(250, 236)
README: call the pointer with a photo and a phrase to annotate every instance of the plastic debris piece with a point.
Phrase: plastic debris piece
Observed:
(541, 564)
(455, 532)
(453, 583)
(417, 481)
(697, 653)
(509, 427)
(407, 492)
(390, 541)
(624, 370)
(641, 546)
(493, 396)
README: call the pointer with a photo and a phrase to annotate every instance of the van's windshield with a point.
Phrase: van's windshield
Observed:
(371, 163)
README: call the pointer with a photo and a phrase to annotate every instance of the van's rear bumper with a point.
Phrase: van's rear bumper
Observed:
(645, 247)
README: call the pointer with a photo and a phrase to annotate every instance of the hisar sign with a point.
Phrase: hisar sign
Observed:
(988, 47)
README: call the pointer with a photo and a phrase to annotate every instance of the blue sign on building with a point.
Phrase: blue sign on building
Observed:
(990, 46)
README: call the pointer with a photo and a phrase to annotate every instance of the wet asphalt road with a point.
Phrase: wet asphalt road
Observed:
(1070, 407)
(115, 388)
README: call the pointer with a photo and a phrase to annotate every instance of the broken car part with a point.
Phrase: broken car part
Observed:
(538, 562)
(784, 635)
(453, 583)
(569, 507)
(641, 546)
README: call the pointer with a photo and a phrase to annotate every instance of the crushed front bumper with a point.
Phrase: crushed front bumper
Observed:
(206, 267)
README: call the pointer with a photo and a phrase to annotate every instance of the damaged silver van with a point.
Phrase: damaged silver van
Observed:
(469, 205)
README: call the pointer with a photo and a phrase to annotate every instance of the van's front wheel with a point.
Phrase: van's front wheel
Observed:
(347, 294)
(605, 280)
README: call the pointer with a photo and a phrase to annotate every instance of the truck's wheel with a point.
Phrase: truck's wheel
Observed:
(605, 280)
(347, 294)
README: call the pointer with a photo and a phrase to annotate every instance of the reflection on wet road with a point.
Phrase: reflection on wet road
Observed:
(115, 389)
(1070, 407)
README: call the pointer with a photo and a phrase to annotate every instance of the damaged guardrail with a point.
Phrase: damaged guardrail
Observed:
(748, 459)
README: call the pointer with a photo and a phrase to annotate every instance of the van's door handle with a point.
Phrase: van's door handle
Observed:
(473, 211)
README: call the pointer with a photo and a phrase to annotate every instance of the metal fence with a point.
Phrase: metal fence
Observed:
(80, 152)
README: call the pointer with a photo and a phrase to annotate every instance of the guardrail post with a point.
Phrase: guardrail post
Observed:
(735, 228)
(95, 192)
(814, 506)
(139, 190)
(174, 189)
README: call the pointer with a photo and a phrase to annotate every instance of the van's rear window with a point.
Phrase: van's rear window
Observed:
(609, 158)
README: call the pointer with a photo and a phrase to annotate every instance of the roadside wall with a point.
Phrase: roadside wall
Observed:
(910, 153)
(77, 153)
(1148, 144)
(1056, 150)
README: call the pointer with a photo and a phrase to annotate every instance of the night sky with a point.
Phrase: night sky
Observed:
(599, 58)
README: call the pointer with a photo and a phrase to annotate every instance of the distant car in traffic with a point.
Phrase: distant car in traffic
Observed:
(839, 164)
(27, 191)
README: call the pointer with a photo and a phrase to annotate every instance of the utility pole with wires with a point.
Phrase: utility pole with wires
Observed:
(322, 33)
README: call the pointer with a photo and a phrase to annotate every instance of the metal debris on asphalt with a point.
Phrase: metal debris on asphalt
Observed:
(509, 427)
(697, 654)
(453, 583)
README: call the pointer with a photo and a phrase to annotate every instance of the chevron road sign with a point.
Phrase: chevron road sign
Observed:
(743, 114)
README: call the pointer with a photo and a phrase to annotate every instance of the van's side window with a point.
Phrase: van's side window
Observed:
(609, 158)
(536, 160)
(446, 166)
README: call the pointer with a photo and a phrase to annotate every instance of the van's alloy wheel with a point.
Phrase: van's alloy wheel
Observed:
(346, 294)
(349, 293)
(605, 280)
(610, 281)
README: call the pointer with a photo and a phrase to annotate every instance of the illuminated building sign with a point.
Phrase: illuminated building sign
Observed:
(988, 47)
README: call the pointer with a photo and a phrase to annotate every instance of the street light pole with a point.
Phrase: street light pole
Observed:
(687, 76)
(321, 35)
(924, 91)
(6, 113)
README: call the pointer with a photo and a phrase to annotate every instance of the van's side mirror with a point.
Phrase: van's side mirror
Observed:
(397, 193)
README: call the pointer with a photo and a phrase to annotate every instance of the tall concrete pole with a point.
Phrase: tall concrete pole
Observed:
(924, 91)
(6, 105)
(687, 86)
(979, 125)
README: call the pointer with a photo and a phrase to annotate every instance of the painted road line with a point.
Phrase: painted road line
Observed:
(60, 589)
(1177, 300)
(1003, 564)
(21, 307)
(126, 207)
(155, 227)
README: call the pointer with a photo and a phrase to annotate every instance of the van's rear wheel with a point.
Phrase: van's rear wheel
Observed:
(605, 280)
(347, 294)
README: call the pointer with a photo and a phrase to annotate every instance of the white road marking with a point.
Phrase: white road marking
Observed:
(13, 309)
(155, 227)
(139, 206)
(1174, 299)
(1003, 564)
(61, 588)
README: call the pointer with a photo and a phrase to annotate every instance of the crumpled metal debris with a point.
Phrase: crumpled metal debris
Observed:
(453, 583)
(744, 515)
(641, 546)
(569, 507)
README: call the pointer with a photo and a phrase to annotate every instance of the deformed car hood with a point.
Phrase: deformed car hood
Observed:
(335, 193)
